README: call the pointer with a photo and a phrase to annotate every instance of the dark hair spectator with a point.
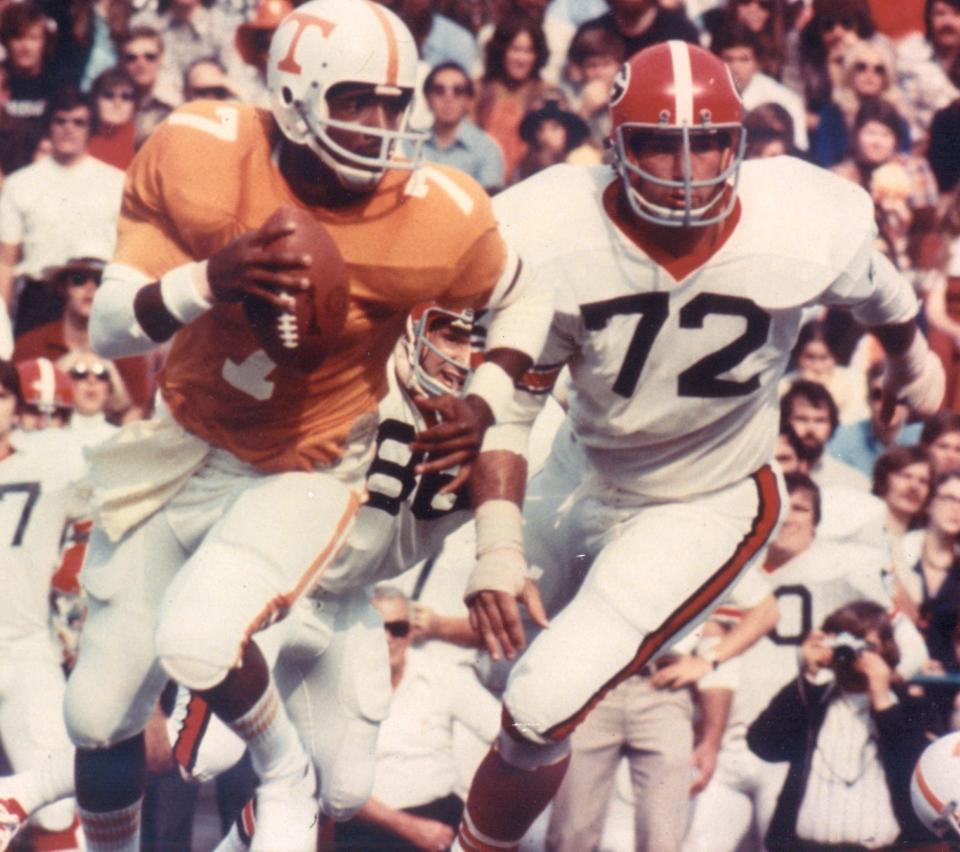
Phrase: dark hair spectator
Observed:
(769, 131)
(903, 187)
(833, 25)
(511, 83)
(941, 439)
(28, 39)
(767, 20)
(814, 393)
(114, 97)
(449, 65)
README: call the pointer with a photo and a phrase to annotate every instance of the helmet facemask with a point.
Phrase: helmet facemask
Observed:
(400, 148)
(720, 205)
(452, 374)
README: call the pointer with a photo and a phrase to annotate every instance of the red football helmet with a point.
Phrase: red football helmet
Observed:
(45, 386)
(680, 89)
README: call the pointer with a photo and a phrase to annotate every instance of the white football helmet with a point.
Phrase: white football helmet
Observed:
(935, 786)
(324, 43)
(415, 344)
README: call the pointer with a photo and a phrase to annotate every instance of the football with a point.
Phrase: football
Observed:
(300, 335)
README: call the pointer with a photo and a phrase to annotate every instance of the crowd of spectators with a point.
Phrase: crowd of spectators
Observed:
(868, 89)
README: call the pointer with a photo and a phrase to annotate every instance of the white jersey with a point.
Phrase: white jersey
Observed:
(675, 379)
(404, 519)
(36, 500)
(808, 588)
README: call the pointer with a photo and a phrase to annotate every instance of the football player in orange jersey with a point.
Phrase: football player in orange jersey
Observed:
(217, 515)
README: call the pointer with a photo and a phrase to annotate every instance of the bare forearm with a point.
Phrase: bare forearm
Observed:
(756, 622)
(498, 475)
(714, 712)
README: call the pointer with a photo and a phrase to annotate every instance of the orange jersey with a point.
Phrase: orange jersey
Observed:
(206, 176)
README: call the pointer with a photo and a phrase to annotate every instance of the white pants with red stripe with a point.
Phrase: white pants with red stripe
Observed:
(330, 664)
(657, 570)
(226, 556)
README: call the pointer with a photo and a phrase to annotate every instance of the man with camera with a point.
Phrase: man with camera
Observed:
(851, 734)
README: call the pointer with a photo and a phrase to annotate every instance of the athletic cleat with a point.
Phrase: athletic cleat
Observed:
(12, 818)
(287, 814)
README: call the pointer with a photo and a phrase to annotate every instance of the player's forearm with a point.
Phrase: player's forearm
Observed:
(756, 622)
(498, 475)
(132, 314)
(714, 712)
(379, 814)
(456, 630)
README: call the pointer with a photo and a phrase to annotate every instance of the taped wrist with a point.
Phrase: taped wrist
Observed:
(163, 306)
(501, 565)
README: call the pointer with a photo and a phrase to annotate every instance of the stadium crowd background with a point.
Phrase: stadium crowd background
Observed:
(868, 89)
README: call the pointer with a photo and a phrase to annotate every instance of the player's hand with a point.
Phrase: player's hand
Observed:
(704, 762)
(495, 617)
(687, 670)
(253, 265)
(428, 834)
(454, 441)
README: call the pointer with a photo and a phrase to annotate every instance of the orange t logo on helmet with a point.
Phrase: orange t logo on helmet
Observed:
(288, 63)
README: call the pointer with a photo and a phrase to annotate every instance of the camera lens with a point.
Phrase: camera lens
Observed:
(844, 655)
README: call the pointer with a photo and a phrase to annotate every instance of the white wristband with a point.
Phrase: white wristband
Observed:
(182, 291)
(491, 383)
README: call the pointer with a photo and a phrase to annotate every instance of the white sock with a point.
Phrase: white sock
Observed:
(275, 747)
(48, 783)
(112, 831)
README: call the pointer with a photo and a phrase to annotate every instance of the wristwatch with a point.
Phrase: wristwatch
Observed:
(710, 655)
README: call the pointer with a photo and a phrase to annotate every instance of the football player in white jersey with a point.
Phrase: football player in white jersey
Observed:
(329, 657)
(35, 505)
(679, 276)
(811, 578)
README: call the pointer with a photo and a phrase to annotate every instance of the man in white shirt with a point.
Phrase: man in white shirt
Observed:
(48, 207)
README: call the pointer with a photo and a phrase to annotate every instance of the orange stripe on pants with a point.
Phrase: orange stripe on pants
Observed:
(693, 607)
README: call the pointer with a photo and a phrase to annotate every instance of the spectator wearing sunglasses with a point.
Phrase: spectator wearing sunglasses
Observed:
(454, 139)
(50, 207)
(192, 30)
(206, 79)
(862, 442)
(414, 804)
(76, 283)
(815, 54)
(867, 74)
(140, 54)
(114, 98)
(99, 395)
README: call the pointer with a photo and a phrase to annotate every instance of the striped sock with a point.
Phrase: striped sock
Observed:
(275, 747)
(112, 831)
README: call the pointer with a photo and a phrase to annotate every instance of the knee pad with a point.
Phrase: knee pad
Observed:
(529, 755)
(190, 672)
(93, 723)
